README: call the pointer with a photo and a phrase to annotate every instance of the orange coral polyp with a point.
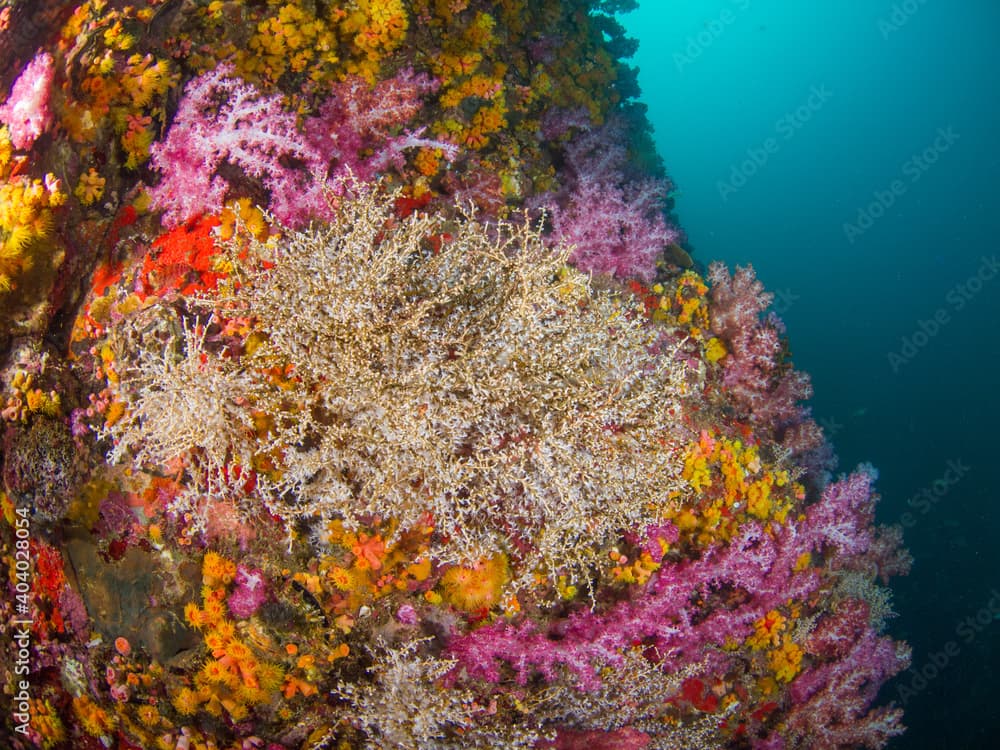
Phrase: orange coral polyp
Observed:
(476, 587)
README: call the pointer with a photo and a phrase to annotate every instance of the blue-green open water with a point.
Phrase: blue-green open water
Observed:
(848, 149)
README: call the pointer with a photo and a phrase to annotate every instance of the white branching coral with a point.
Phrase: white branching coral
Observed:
(404, 707)
(182, 403)
(460, 370)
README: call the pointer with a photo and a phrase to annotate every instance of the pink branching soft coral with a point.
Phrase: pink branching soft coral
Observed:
(674, 619)
(224, 122)
(359, 119)
(616, 222)
(830, 702)
(755, 372)
(843, 517)
(757, 562)
(26, 111)
(249, 594)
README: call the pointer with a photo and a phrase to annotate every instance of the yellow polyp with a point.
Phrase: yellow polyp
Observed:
(802, 562)
(420, 570)
(217, 570)
(767, 630)
(786, 661)
(115, 411)
(686, 521)
(715, 350)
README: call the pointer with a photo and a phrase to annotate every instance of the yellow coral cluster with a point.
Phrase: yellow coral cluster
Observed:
(732, 484)
(636, 571)
(292, 38)
(685, 302)
(25, 398)
(363, 566)
(234, 677)
(786, 660)
(376, 28)
(767, 631)
(27, 217)
(477, 587)
(118, 86)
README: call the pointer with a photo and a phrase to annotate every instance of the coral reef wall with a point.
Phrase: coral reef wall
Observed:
(358, 392)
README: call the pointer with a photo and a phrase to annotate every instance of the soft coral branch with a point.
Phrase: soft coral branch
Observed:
(616, 221)
(223, 121)
(763, 385)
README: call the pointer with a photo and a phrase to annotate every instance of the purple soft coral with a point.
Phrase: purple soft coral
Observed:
(754, 371)
(220, 120)
(765, 565)
(831, 701)
(616, 223)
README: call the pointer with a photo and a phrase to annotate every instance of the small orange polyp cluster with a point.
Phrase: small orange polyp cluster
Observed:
(636, 571)
(786, 660)
(476, 587)
(767, 631)
(27, 217)
(234, 677)
(294, 39)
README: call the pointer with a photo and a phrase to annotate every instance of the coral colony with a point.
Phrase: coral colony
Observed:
(359, 394)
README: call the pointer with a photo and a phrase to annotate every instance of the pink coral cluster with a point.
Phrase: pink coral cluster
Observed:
(758, 571)
(26, 112)
(756, 374)
(831, 701)
(615, 222)
(225, 123)
(249, 594)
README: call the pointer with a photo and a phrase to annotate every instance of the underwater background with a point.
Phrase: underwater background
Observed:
(848, 151)
(310, 438)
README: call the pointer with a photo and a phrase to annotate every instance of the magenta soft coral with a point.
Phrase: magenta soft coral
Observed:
(26, 111)
(360, 119)
(761, 564)
(249, 594)
(672, 616)
(615, 221)
(225, 121)
(831, 701)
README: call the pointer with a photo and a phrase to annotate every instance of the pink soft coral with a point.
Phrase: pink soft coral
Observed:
(26, 111)
(762, 383)
(224, 122)
(249, 594)
(831, 701)
(615, 221)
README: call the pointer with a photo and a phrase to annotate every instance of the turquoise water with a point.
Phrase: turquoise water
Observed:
(848, 150)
